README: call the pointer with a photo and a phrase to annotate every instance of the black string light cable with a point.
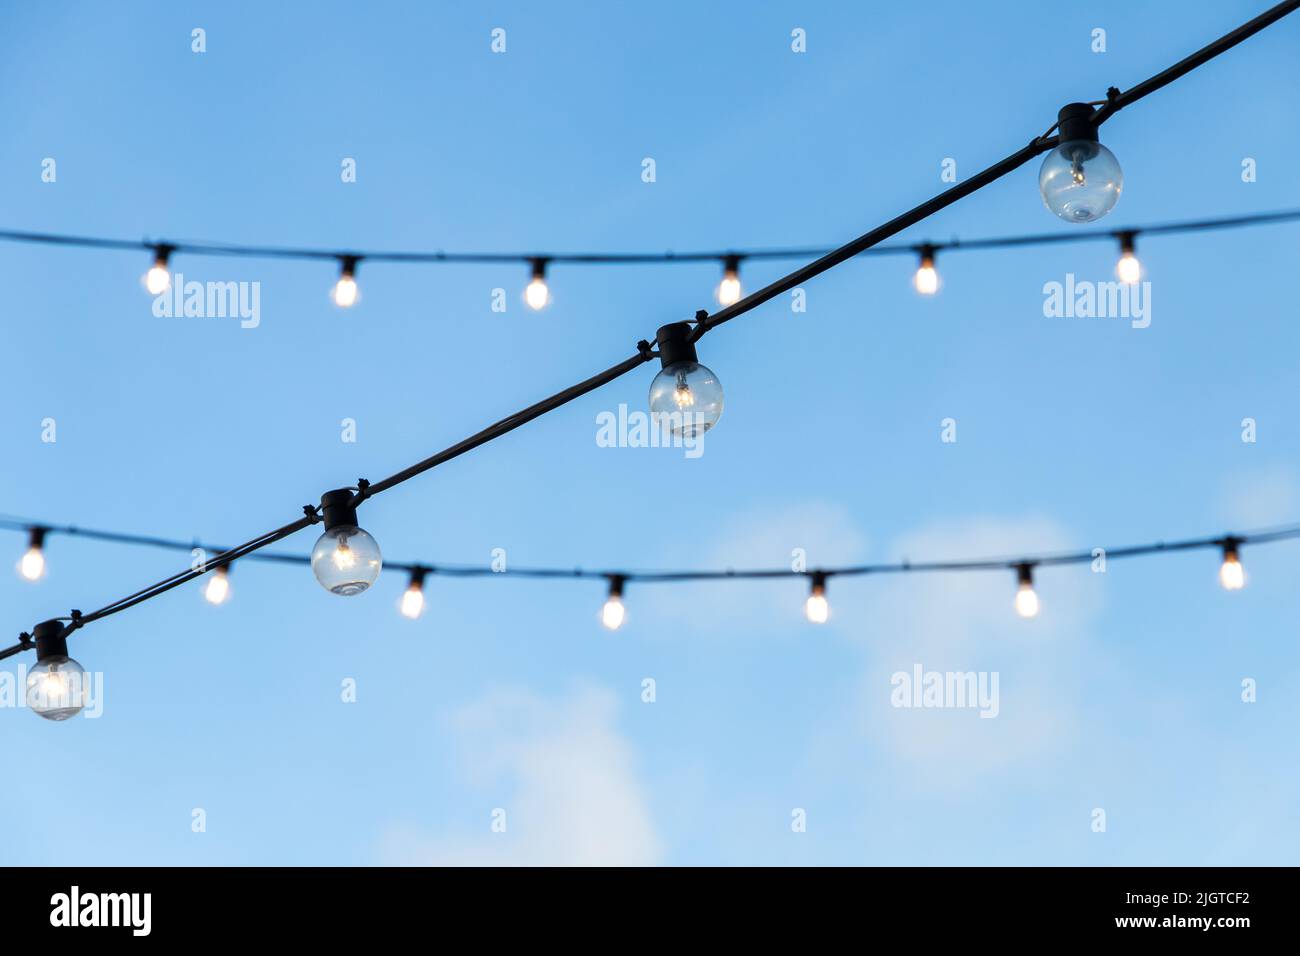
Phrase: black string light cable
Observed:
(1077, 182)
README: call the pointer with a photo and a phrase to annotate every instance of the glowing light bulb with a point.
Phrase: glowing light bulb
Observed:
(217, 590)
(816, 608)
(1231, 574)
(536, 293)
(685, 397)
(1128, 268)
(1080, 180)
(31, 566)
(158, 279)
(612, 613)
(1026, 598)
(56, 685)
(345, 292)
(729, 287)
(412, 603)
(345, 559)
(926, 279)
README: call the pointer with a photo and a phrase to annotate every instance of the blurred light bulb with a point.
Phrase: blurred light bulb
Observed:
(926, 279)
(612, 613)
(158, 279)
(217, 590)
(345, 292)
(536, 293)
(31, 566)
(729, 287)
(1128, 268)
(1026, 598)
(412, 604)
(1231, 574)
(816, 608)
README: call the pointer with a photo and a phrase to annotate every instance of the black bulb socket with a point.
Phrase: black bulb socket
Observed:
(338, 508)
(675, 344)
(1075, 122)
(51, 641)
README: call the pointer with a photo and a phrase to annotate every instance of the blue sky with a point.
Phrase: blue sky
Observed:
(1124, 694)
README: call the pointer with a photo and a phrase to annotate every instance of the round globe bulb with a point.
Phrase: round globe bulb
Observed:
(1080, 181)
(346, 560)
(56, 688)
(686, 399)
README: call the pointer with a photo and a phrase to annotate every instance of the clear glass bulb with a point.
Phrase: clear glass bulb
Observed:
(686, 398)
(729, 288)
(346, 560)
(1231, 574)
(56, 688)
(157, 280)
(345, 292)
(412, 605)
(1080, 181)
(1026, 601)
(32, 564)
(613, 613)
(217, 590)
(536, 294)
(816, 608)
(1128, 269)
(926, 279)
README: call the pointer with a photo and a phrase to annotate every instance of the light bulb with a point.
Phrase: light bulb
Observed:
(345, 559)
(816, 608)
(1128, 268)
(612, 613)
(1231, 574)
(1026, 598)
(729, 287)
(1080, 179)
(926, 279)
(412, 603)
(31, 566)
(158, 279)
(685, 397)
(56, 684)
(536, 293)
(217, 590)
(345, 292)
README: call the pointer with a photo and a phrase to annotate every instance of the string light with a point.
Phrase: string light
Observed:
(412, 603)
(1080, 179)
(685, 397)
(926, 279)
(1129, 269)
(816, 609)
(536, 293)
(346, 559)
(56, 686)
(217, 590)
(729, 287)
(345, 292)
(612, 613)
(31, 566)
(159, 279)
(1026, 598)
(1231, 574)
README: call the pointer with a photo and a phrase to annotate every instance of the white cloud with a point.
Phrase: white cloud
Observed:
(562, 773)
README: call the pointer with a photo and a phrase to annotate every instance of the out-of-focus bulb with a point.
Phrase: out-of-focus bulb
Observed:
(926, 279)
(612, 612)
(217, 590)
(346, 560)
(412, 603)
(536, 293)
(1128, 268)
(32, 564)
(158, 279)
(1231, 574)
(729, 287)
(816, 608)
(345, 292)
(1026, 597)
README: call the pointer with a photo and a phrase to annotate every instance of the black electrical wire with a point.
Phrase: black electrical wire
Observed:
(704, 322)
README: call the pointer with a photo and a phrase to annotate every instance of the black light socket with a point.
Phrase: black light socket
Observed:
(1025, 573)
(616, 585)
(818, 584)
(51, 640)
(675, 344)
(539, 268)
(1075, 122)
(338, 508)
(348, 267)
(36, 538)
(1127, 243)
(1230, 549)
